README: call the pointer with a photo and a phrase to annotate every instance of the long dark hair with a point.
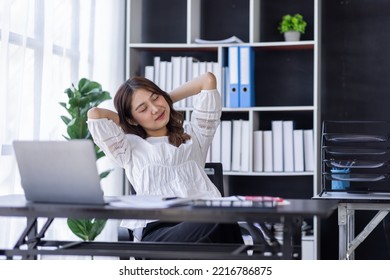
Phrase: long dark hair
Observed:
(122, 102)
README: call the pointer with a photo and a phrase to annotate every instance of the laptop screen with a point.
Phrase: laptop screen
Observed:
(59, 171)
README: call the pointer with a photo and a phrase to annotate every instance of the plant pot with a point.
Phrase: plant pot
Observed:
(290, 36)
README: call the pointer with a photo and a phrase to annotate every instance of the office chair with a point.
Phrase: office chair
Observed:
(257, 232)
(213, 170)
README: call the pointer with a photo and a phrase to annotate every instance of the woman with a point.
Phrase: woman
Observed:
(147, 138)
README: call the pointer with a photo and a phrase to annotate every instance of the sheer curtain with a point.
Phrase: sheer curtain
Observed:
(45, 46)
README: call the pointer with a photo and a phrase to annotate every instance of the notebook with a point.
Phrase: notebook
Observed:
(59, 171)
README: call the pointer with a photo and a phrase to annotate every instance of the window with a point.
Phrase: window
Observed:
(45, 46)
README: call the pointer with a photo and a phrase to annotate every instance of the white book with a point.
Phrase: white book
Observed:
(226, 144)
(245, 148)
(156, 64)
(299, 165)
(209, 66)
(176, 71)
(277, 145)
(288, 146)
(218, 74)
(267, 151)
(190, 61)
(195, 69)
(169, 77)
(195, 74)
(176, 75)
(258, 151)
(236, 145)
(163, 76)
(308, 149)
(202, 67)
(216, 146)
(183, 78)
(149, 72)
(183, 72)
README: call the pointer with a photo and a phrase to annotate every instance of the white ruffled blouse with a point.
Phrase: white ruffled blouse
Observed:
(155, 167)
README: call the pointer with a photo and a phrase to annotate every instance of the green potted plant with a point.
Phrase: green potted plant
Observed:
(88, 94)
(292, 26)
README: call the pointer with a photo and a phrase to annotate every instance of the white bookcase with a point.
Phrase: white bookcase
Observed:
(286, 73)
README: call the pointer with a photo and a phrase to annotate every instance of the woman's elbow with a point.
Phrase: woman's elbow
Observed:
(210, 81)
(94, 113)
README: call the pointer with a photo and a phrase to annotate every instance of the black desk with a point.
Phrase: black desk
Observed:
(348, 203)
(290, 215)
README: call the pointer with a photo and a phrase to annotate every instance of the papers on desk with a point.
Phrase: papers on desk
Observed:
(150, 202)
(241, 201)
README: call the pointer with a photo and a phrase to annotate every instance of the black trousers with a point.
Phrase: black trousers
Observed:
(192, 232)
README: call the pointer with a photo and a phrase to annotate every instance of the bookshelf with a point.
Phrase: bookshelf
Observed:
(286, 73)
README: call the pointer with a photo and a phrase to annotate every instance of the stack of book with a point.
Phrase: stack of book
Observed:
(281, 149)
(231, 146)
(169, 75)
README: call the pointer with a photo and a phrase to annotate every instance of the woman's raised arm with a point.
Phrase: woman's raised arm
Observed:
(204, 81)
(101, 113)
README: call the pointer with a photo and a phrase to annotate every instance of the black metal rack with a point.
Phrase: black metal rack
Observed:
(355, 156)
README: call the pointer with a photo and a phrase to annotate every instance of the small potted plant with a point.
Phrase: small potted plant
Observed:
(292, 26)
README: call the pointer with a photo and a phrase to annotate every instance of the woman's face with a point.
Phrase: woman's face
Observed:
(151, 111)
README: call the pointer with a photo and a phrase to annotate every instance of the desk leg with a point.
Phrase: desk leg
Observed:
(348, 242)
(350, 232)
(355, 242)
(31, 237)
(343, 232)
(346, 220)
(29, 233)
(292, 238)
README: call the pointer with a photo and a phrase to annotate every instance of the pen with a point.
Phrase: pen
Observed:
(170, 198)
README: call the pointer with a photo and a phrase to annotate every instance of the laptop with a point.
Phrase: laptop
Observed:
(59, 171)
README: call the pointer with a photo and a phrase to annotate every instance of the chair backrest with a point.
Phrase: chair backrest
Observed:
(215, 172)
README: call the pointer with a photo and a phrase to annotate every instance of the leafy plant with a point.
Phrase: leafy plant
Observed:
(292, 23)
(86, 229)
(88, 94)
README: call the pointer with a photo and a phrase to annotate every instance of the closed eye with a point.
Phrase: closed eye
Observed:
(143, 106)
(142, 109)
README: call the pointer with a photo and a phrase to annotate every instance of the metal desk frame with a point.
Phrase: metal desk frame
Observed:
(348, 204)
(32, 243)
(348, 241)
